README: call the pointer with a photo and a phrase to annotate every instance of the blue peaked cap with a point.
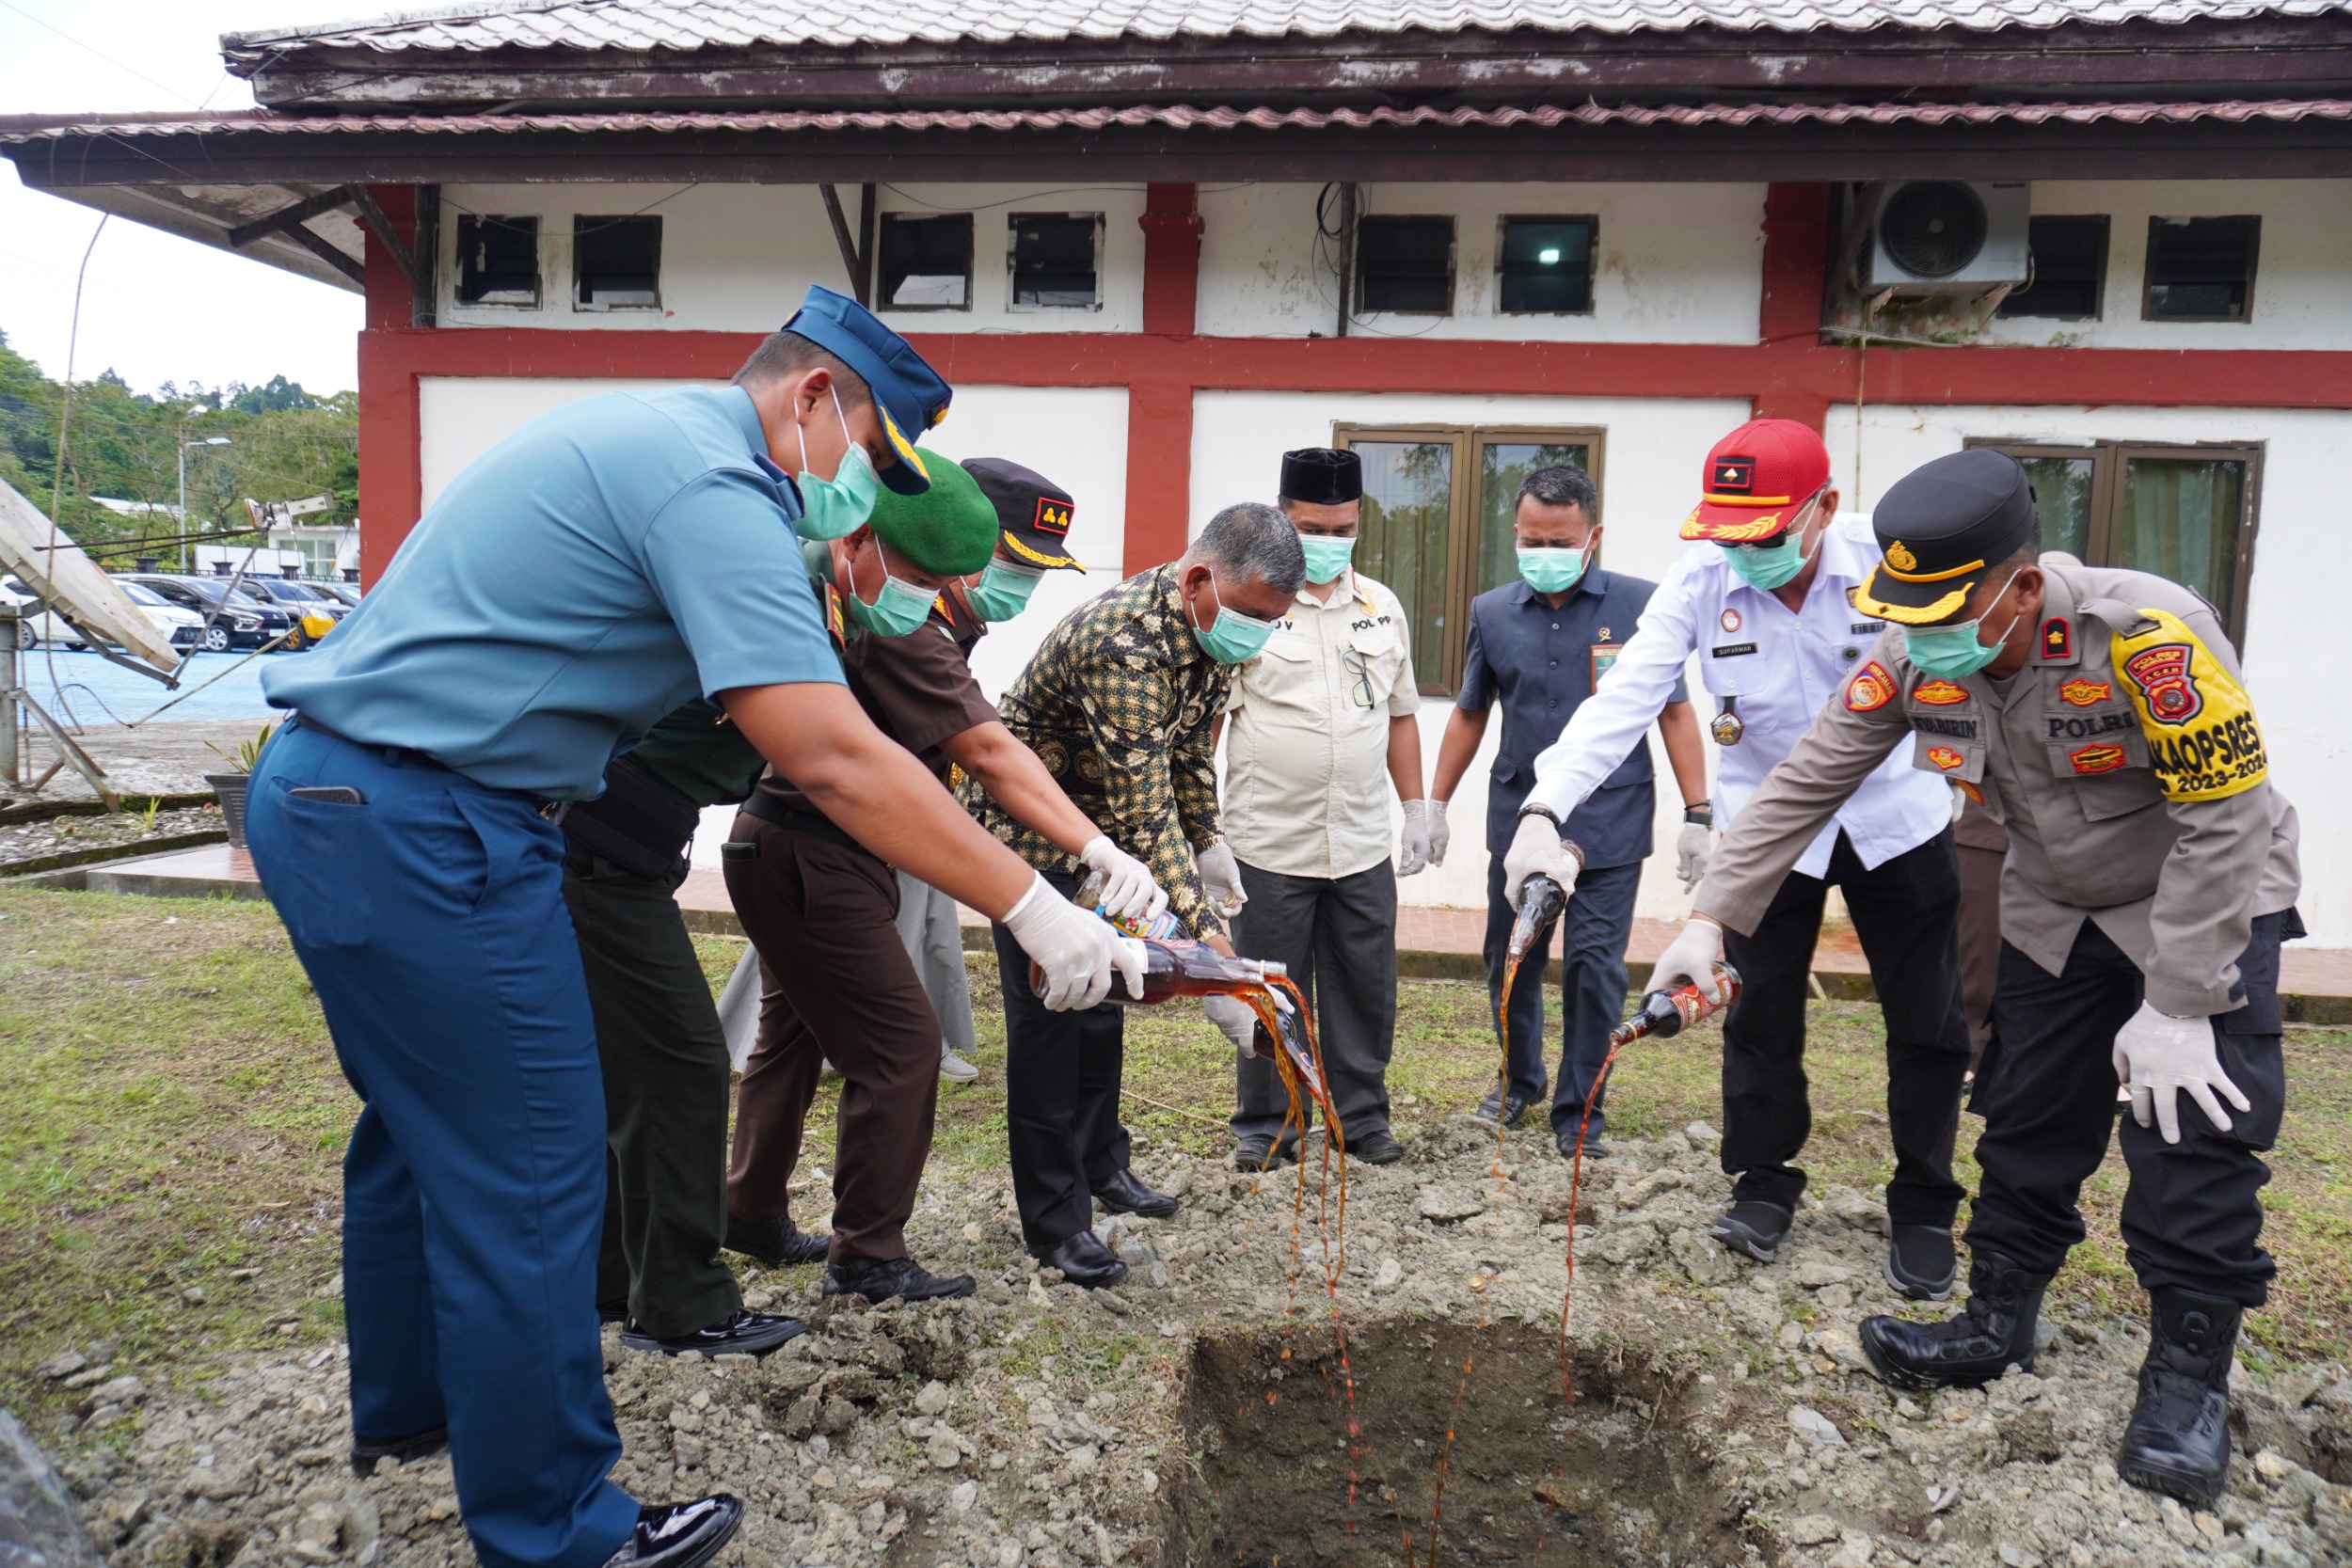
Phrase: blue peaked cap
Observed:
(910, 395)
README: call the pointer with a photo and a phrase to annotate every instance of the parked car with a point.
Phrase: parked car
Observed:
(37, 624)
(348, 591)
(297, 598)
(240, 621)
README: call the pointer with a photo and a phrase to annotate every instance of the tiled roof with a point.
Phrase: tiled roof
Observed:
(26, 129)
(654, 24)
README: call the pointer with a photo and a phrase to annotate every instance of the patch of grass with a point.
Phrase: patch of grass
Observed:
(173, 1115)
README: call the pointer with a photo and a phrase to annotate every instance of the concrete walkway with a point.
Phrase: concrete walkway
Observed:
(2315, 984)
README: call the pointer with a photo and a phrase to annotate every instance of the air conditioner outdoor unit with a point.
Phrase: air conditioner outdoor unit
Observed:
(1951, 237)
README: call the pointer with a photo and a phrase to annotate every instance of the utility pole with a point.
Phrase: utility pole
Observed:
(185, 446)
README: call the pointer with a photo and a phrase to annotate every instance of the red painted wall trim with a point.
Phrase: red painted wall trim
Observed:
(1162, 372)
(1796, 261)
(1159, 407)
(392, 446)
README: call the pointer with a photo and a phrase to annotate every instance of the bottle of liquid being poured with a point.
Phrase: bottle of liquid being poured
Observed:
(1541, 899)
(1667, 1013)
(1159, 928)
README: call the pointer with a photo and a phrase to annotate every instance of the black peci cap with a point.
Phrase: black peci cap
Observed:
(1322, 476)
(1942, 527)
(1034, 512)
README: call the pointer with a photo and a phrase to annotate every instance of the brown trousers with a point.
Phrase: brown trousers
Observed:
(836, 986)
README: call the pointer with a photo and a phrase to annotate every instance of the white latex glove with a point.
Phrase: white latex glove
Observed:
(1128, 890)
(1439, 834)
(1221, 877)
(1236, 1021)
(1076, 950)
(1412, 850)
(1691, 959)
(1693, 849)
(2159, 1055)
(1536, 846)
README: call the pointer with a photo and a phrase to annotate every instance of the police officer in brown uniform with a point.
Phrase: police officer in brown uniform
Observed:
(2099, 715)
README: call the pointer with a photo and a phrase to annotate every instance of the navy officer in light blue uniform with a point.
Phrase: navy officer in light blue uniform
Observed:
(583, 578)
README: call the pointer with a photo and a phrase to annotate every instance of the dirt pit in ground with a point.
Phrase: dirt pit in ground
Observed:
(1436, 1439)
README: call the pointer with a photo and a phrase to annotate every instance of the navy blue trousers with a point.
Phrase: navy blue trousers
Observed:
(1596, 923)
(431, 921)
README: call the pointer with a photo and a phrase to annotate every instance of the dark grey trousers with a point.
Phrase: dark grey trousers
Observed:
(1338, 936)
(665, 1095)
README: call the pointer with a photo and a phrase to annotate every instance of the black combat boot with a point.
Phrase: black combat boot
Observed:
(2178, 1442)
(1993, 1335)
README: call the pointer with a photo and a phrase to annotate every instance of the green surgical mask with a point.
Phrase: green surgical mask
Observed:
(1003, 591)
(1954, 653)
(1768, 565)
(1550, 569)
(1232, 636)
(1327, 555)
(838, 507)
(899, 608)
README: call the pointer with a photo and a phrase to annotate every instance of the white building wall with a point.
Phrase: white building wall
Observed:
(1656, 448)
(1678, 263)
(2302, 284)
(2291, 600)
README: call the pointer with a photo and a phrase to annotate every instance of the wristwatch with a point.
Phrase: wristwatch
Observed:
(1575, 850)
(1703, 813)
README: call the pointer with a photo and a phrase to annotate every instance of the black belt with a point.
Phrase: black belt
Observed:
(638, 823)
(776, 814)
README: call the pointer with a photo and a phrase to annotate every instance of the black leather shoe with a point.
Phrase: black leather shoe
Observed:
(680, 1535)
(1376, 1148)
(1123, 1194)
(2178, 1442)
(365, 1451)
(1754, 1227)
(1596, 1146)
(1993, 1335)
(777, 1243)
(1083, 1260)
(1921, 1262)
(1510, 1108)
(743, 1333)
(880, 1279)
(1257, 1152)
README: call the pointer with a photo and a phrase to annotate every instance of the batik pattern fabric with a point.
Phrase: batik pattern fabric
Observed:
(1117, 701)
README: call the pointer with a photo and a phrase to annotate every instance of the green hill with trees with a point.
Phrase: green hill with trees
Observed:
(284, 443)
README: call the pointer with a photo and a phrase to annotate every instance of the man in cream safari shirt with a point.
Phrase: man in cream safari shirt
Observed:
(1313, 723)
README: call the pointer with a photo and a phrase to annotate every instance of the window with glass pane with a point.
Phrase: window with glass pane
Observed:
(1546, 265)
(1407, 533)
(2180, 518)
(2185, 512)
(2201, 269)
(1404, 264)
(1503, 468)
(2070, 265)
(2062, 489)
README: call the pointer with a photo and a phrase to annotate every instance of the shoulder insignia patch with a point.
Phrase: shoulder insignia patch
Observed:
(834, 622)
(2168, 688)
(1972, 791)
(1870, 688)
(2201, 736)
(2096, 759)
(1939, 693)
(1945, 758)
(2082, 693)
(2057, 638)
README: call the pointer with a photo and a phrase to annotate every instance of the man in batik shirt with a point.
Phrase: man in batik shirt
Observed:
(1118, 700)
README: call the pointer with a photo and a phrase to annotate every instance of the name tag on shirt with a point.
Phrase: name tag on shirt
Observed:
(1604, 659)
(1731, 650)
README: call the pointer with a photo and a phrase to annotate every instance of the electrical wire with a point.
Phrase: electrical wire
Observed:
(100, 54)
(65, 434)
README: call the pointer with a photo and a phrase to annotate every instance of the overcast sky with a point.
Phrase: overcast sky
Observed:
(155, 307)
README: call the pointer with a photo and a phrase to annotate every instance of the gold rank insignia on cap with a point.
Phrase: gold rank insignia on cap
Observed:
(1901, 558)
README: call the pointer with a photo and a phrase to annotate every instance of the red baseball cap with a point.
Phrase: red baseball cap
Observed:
(1757, 479)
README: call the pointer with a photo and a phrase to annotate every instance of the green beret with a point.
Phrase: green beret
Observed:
(949, 528)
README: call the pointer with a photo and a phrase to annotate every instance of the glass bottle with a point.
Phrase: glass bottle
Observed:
(1159, 928)
(1667, 1013)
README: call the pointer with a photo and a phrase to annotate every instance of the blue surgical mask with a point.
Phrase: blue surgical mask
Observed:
(838, 507)
(1550, 569)
(899, 608)
(1232, 636)
(1768, 565)
(1327, 556)
(1003, 591)
(1957, 652)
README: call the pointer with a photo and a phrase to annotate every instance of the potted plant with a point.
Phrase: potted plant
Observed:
(231, 787)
